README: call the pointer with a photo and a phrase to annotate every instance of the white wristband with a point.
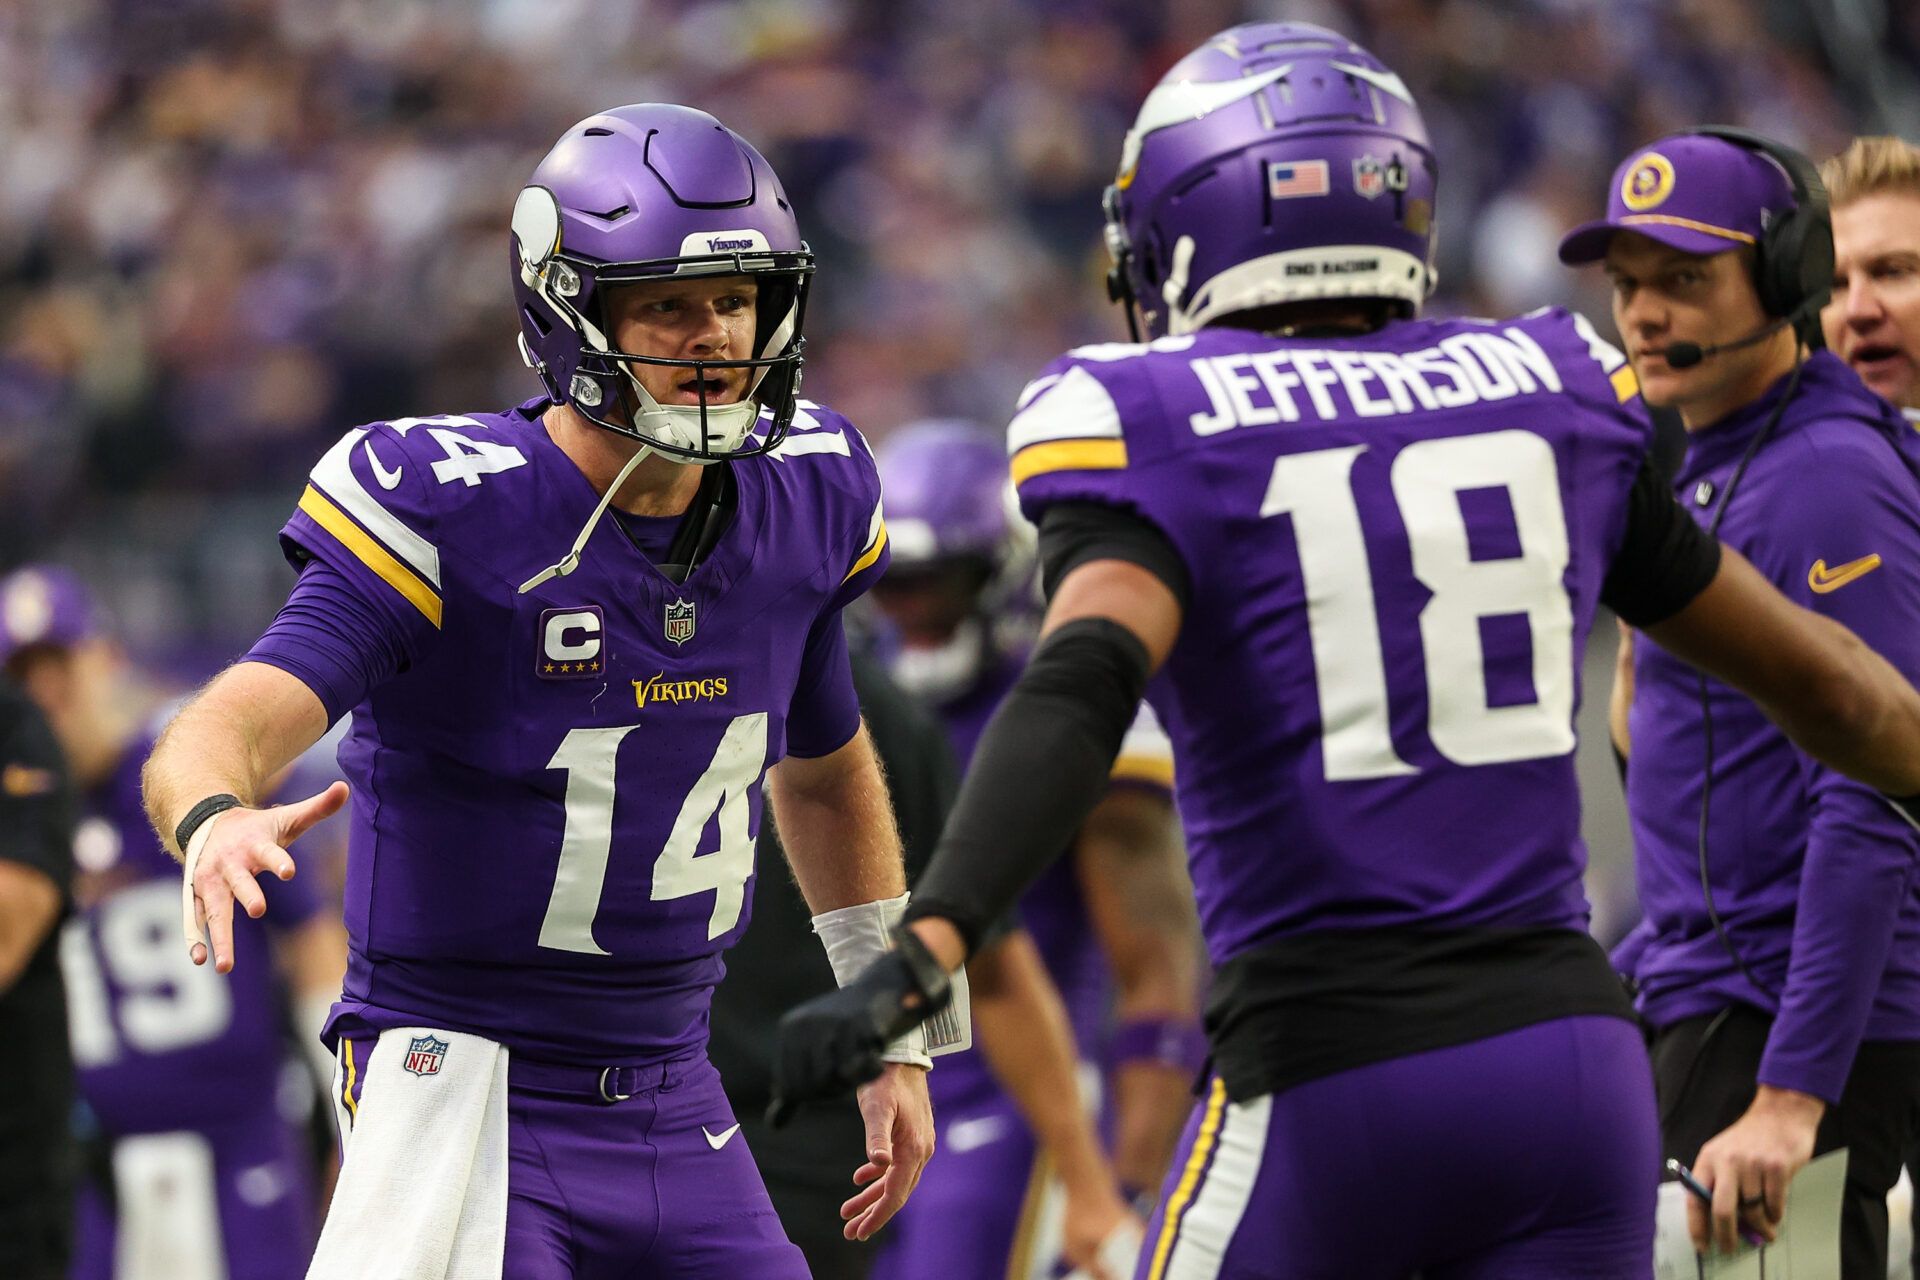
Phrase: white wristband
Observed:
(854, 938)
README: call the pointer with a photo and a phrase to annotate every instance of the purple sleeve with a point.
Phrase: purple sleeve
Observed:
(335, 639)
(825, 713)
(1859, 511)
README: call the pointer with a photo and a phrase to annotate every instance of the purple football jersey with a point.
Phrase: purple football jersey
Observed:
(161, 1043)
(556, 799)
(1396, 543)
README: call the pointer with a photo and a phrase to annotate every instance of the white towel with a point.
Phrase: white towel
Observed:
(423, 1190)
(168, 1226)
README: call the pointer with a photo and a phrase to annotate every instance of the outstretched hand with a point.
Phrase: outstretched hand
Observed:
(833, 1042)
(232, 848)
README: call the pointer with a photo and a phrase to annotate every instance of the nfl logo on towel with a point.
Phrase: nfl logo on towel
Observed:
(425, 1054)
(1292, 179)
(679, 621)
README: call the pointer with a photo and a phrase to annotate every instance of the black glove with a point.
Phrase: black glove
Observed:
(832, 1043)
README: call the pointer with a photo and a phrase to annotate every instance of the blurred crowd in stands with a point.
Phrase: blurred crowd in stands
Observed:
(231, 228)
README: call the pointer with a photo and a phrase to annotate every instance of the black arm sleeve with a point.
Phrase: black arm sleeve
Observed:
(1665, 560)
(1073, 533)
(1040, 768)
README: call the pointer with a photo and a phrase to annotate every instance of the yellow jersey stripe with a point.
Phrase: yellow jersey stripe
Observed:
(1068, 455)
(1189, 1179)
(346, 1094)
(372, 554)
(1155, 769)
(1020, 1257)
(1625, 384)
(871, 554)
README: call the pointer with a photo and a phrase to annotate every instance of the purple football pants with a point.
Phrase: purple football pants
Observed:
(262, 1192)
(659, 1185)
(1526, 1155)
(972, 1215)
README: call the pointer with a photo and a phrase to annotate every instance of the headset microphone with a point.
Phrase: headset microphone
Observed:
(1685, 355)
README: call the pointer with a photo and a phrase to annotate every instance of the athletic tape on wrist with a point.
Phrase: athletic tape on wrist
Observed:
(196, 843)
(856, 936)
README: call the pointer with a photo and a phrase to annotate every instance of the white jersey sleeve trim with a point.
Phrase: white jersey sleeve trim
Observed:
(333, 476)
(1076, 407)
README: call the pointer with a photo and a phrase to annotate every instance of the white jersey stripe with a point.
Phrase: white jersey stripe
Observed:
(333, 476)
(1209, 1224)
(1075, 408)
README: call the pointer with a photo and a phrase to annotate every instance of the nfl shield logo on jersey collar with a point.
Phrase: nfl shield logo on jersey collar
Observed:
(679, 624)
(425, 1054)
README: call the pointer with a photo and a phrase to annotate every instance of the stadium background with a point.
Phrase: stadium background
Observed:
(231, 228)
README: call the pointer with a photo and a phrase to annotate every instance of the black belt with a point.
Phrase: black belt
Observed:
(600, 1084)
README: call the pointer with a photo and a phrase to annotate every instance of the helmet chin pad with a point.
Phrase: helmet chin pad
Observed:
(698, 433)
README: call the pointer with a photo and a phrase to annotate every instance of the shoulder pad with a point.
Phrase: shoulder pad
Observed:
(828, 453)
(1067, 420)
(373, 500)
(380, 497)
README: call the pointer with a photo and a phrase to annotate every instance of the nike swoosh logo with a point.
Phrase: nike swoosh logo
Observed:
(1823, 579)
(719, 1140)
(1386, 80)
(388, 479)
(978, 1131)
(1172, 104)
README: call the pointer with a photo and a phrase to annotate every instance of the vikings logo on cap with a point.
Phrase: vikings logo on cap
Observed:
(1648, 182)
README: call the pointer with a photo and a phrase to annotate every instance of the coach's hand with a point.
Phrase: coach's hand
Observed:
(899, 1120)
(1748, 1166)
(238, 845)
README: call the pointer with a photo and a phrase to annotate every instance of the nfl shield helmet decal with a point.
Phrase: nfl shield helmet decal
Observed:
(1369, 176)
(679, 624)
(425, 1054)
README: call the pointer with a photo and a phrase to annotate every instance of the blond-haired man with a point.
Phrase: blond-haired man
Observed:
(1873, 321)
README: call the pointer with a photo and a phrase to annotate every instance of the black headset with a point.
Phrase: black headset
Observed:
(1793, 275)
(1793, 258)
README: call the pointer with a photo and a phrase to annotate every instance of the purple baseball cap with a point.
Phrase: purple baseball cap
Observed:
(1691, 192)
(44, 605)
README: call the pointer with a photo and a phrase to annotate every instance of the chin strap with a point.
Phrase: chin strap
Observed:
(571, 561)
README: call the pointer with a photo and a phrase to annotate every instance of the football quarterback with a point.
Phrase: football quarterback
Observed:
(558, 753)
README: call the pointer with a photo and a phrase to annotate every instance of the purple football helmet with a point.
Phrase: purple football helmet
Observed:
(1278, 162)
(637, 193)
(950, 506)
(947, 495)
